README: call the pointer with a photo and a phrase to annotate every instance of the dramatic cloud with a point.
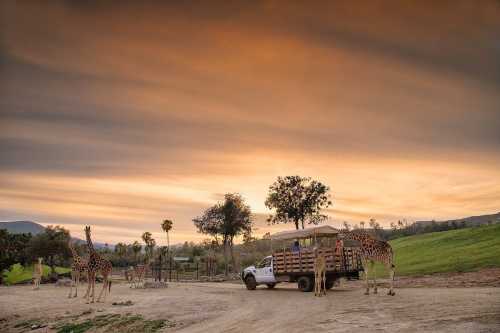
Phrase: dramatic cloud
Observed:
(119, 115)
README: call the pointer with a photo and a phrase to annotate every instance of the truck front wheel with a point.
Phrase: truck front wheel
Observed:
(250, 282)
(305, 283)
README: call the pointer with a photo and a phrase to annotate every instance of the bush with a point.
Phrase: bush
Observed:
(19, 274)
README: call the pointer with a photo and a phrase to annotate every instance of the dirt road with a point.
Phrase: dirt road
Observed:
(225, 307)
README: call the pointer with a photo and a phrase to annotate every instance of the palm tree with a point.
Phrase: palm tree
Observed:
(136, 247)
(167, 226)
(150, 243)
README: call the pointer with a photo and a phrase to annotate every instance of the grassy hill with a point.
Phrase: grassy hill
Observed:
(448, 251)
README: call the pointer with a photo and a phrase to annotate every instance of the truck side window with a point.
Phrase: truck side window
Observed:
(264, 263)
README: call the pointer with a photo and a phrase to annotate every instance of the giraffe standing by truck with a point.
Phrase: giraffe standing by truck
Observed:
(372, 250)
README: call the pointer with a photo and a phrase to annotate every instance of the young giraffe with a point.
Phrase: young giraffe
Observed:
(78, 267)
(373, 250)
(320, 275)
(97, 264)
(37, 274)
(139, 274)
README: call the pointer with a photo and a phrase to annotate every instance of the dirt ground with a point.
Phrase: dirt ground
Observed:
(229, 307)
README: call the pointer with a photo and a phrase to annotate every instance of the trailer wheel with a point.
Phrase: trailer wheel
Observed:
(250, 282)
(271, 285)
(329, 283)
(305, 283)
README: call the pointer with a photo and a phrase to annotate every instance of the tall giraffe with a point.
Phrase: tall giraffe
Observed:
(373, 250)
(97, 264)
(78, 267)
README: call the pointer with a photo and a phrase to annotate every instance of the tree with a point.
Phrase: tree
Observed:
(12, 249)
(375, 226)
(297, 199)
(150, 244)
(121, 249)
(167, 226)
(346, 225)
(52, 244)
(228, 220)
(136, 248)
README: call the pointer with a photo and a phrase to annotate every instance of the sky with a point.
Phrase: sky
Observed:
(121, 114)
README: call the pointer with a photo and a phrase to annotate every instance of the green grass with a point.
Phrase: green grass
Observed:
(115, 323)
(460, 250)
(19, 274)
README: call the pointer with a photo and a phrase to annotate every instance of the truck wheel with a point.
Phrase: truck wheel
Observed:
(250, 282)
(271, 285)
(329, 283)
(305, 283)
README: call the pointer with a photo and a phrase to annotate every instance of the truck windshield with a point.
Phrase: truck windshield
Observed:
(266, 262)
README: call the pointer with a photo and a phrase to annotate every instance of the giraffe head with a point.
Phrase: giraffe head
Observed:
(87, 230)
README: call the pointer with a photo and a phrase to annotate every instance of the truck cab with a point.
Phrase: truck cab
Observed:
(261, 273)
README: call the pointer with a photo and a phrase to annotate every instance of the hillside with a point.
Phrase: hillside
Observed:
(448, 251)
(471, 221)
(20, 227)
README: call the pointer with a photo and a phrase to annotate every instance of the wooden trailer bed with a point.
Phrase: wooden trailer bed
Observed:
(346, 260)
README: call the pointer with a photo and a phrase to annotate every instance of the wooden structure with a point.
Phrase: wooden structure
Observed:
(286, 261)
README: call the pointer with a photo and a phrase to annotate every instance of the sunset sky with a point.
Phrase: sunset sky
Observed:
(119, 114)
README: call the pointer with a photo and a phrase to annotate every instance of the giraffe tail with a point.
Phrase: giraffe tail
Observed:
(109, 286)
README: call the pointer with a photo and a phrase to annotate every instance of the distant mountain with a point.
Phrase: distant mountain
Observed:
(471, 221)
(26, 227)
(22, 227)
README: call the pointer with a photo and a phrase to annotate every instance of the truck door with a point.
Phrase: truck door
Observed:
(264, 271)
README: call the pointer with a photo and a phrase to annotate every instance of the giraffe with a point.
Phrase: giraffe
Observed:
(320, 275)
(373, 250)
(129, 275)
(78, 267)
(37, 274)
(97, 264)
(139, 274)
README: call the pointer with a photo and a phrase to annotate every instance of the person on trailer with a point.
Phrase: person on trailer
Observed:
(339, 244)
(296, 246)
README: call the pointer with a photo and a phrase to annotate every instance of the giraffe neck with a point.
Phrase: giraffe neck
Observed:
(72, 249)
(89, 243)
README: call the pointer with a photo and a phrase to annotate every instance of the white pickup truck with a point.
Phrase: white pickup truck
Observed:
(260, 274)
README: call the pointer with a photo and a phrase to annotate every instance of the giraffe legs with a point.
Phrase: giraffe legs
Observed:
(104, 287)
(366, 269)
(323, 281)
(374, 276)
(90, 286)
(76, 284)
(391, 277)
(71, 285)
